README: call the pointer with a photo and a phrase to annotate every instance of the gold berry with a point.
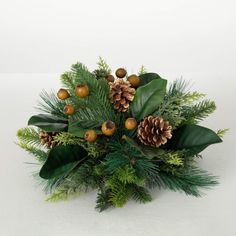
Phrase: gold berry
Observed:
(63, 94)
(134, 80)
(110, 78)
(69, 109)
(108, 128)
(90, 135)
(130, 123)
(121, 73)
(82, 90)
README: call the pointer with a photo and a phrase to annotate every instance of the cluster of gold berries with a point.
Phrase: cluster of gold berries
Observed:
(108, 128)
(81, 90)
(121, 73)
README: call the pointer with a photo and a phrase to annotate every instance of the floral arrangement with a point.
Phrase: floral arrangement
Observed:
(121, 135)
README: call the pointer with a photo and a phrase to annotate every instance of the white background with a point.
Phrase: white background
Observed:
(40, 39)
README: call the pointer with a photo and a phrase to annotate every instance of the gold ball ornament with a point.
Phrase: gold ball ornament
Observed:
(108, 128)
(130, 123)
(90, 135)
(82, 90)
(134, 80)
(63, 94)
(121, 72)
(69, 109)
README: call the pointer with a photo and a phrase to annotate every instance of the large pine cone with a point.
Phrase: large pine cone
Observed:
(154, 131)
(47, 138)
(121, 94)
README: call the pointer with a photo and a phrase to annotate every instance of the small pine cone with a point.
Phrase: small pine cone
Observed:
(47, 138)
(154, 131)
(121, 94)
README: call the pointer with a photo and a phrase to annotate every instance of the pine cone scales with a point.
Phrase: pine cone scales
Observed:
(48, 138)
(121, 94)
(154, 131)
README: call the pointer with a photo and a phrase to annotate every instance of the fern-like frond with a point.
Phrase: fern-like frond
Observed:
(29, 135)
(140, 194)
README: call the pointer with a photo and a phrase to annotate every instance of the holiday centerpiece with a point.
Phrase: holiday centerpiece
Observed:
(121, 135)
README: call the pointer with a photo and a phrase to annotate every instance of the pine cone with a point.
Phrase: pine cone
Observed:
(48, 138)
(154, 131)
(121, 94)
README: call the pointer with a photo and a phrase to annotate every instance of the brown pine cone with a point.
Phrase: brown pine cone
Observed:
(121, 94)
(154, 131)
(47, 138)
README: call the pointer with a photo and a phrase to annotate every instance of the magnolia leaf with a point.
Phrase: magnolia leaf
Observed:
(147, 98)
(49, 123)
(193, 138)
(78, 131)
(61, 160)
(148, 77)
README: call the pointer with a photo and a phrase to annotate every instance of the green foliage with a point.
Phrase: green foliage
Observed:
(61, 160)
(29, 135)
(49, 123)
(50, 104)
(40, 154)
(93, 110)
(198, 112)
(147, 98)
(193, 138)
(145, 78)
(29, 140)
(140, 194)
(103, 200)
(177, 100)
(94, 149)
(190, 181)
(221, 132)
(81, 179)
(142, 70)
(102, 65)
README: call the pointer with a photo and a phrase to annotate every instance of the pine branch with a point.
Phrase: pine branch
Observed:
(40, 154)
(140, 194)
(50, 104)
(221, 132)
(103, 200)
(96, 108)
(30, 141)
(142, 70)
(102, 65)
(198, 112)
(29, 136)
(190, 181)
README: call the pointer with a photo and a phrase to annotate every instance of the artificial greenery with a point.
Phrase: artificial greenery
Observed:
(96, 147)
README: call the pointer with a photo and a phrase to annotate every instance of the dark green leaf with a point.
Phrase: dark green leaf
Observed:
(75, 129)
(49, 123)
(193, 138)
(148, 77)
(147, 98)
(61, 160)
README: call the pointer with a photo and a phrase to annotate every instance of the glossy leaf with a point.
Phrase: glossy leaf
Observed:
(148, 77)
(75, 129)
(147, 98)
(61, 160)
(193, 138)
(49, 123)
